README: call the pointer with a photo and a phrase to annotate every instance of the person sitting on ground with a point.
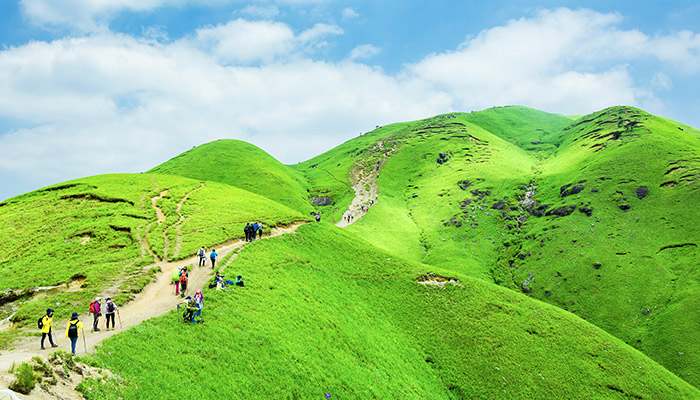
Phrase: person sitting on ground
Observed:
(239, 281)
(73, 331)
(45, 325)
(110, 308)
(190, 307)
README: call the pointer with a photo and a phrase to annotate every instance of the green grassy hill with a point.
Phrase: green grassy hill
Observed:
(80, 237)
(569, 245)
(244, 166)
(324, 312)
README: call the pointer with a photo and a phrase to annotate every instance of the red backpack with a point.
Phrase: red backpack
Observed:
(183, 278)
(92, 307)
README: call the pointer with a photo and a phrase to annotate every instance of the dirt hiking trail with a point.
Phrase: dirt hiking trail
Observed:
(157, 298)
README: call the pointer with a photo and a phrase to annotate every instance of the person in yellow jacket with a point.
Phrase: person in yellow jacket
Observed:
(73, 331)
(46, 323)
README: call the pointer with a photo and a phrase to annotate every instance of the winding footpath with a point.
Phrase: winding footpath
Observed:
(157, 298)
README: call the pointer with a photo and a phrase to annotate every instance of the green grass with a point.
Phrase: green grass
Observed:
(323, 312)
(89, 230)
(244, 166)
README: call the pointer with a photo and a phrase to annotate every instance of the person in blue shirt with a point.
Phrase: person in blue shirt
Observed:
(212, 257)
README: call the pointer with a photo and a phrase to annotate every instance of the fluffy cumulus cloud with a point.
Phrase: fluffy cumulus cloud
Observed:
(561, 60)
(107, 102)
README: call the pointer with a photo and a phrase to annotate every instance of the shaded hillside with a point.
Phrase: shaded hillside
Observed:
(325, 313)
(244, 166)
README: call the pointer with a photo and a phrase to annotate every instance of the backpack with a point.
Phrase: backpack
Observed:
(73, 330)
(110, 307)
(40, 323)
(201, 252)
(92, 307)
(183, 278)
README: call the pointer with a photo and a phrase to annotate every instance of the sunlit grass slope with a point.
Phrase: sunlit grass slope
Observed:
(324, 312)
(101, 231)
(631, 267)
(244, 166)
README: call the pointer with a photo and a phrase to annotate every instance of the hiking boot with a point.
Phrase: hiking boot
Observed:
(53, 345)
(43, 348)
(96, 330)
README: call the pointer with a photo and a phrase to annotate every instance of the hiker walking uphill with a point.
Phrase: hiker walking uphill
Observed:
(212, 257)
(183, 281)
(110, 309)
(248, 230)
(260, 229)
(45, 323)
(202, 256)
(96, 313)
(72, 331)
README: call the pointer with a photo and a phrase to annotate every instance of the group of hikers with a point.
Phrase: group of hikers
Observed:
(74, 326)
(253, 229)
(202, 253)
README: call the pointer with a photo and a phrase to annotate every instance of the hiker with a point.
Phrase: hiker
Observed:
(212, 257)
(95, 311)
(72, 331)
(199, 302)
(239, 281)
(183, 281)
(190, 308)
(202, 256)
(176, 280)
(254, 231)
(260, 229)
(45, 325)
(246, 230)
(318, 217)
(110, 308)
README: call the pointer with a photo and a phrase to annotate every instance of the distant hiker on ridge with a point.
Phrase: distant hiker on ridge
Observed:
(254, 231)
(44, 324)
(318, 217)
(95, 311)
(110, 308)
(72, 331)
(248, 231)
(202, 256)
(212, 257)
(260, 229)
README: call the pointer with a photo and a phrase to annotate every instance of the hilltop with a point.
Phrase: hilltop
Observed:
(510, 253)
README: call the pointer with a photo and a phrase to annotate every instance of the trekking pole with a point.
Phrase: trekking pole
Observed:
(84, 344)
(120, 320)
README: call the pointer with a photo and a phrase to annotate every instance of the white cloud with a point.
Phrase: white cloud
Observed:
(349, 13)
(107, 102)
(265, 12)
(364, 51)
(114, 103)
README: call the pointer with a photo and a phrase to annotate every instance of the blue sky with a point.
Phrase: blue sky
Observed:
(90, 87)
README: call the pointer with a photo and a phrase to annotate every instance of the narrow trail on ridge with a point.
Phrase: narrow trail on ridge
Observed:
(178, 225)
(365, 185)
(157, 298)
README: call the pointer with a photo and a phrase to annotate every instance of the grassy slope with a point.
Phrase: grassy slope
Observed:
(91, 229)
(241, 165)
(643, 291)
(324, 312)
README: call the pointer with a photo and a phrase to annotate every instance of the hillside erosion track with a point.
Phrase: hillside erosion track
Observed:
(365, 186)
(156, 299)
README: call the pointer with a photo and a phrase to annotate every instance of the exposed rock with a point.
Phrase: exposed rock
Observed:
(642, 192)
(321, 201)
(563, 188)
(499, 205)
(562, 211)
(624, 207)
(597, 265)
(442, 158)
(548, 292)
(458, 224)
(540, 210)
(594, 190)
(464, 184)
(574, 190)
(522, 219)
(465, 203)
(588, 210)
